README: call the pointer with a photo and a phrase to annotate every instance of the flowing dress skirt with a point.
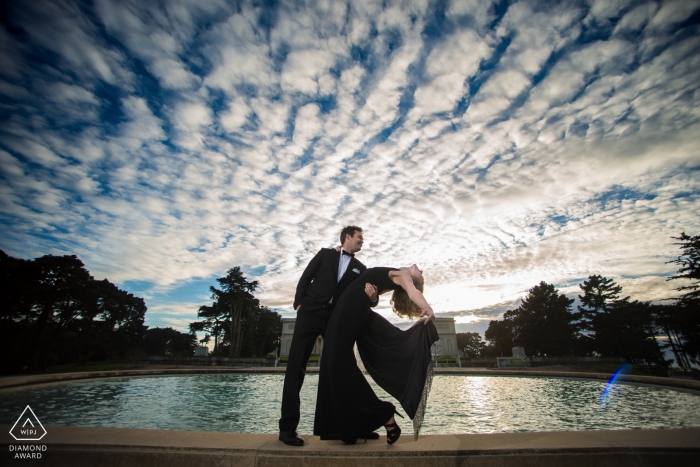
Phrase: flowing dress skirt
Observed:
(399, 361)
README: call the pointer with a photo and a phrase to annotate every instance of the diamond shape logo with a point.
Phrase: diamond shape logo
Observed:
(28, 427)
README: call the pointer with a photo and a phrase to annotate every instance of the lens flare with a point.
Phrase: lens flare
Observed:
(611, 383)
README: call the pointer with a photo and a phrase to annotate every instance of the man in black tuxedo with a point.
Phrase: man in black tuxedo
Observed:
(319, 288)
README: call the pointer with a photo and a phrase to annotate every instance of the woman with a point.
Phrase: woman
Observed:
(346, 405)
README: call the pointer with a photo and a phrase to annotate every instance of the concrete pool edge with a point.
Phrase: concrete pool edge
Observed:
(78, 446)
(9, 382)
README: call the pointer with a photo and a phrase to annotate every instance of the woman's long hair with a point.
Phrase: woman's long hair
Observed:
(404, 306)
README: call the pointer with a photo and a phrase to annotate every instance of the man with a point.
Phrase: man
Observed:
(319, 288)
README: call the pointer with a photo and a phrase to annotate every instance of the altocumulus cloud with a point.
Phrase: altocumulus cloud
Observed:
(495, 144)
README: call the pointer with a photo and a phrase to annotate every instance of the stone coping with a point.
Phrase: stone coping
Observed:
(78, 446)
(9, 382)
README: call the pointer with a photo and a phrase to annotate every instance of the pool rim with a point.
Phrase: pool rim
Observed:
(12, 383)
(83, 446)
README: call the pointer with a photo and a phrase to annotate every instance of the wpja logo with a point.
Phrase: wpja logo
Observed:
(28, 428)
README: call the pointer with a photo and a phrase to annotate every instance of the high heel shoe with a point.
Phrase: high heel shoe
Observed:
(392, 435)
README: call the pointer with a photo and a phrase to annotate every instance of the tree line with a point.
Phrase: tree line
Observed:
(605, 324)
(239, 324)
(53, 312)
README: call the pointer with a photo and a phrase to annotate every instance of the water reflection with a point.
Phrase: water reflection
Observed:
(249, 403)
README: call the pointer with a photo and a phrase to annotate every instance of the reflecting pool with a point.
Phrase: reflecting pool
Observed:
(250, 403)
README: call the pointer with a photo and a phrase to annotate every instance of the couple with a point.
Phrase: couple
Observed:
(333, 299)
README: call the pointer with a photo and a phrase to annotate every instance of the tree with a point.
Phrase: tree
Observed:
(63, 295)
(689, 262)
(205, 340)
(123, 315)
(499, 334)
(168, 341)
(213, 321)
(628, 330)
(470, 343)
(543, 323)
(237, 316)
(53, 311)
(16, 285)
(262, 330)
(17, 311)
(617, 327)
(236, 295)
(681, 321)
(600, 294)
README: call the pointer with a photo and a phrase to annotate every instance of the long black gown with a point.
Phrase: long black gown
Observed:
(397, 360)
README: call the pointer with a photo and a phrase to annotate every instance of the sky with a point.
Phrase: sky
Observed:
(496, 144)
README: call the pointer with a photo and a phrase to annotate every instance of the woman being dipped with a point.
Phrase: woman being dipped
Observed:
(346, 405)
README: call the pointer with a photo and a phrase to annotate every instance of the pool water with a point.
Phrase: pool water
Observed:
(250, 403)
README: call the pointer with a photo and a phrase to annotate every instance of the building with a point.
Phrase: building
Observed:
(448, 336)
(286, 340)
(445, 328)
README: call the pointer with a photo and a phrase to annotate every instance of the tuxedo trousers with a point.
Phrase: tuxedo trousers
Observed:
(308, 326)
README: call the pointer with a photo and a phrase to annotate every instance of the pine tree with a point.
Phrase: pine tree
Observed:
(600, 295)
(681, 321)
(236, 295)
(689, 262)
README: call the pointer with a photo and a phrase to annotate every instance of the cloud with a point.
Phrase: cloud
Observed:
(303, 69)
(236, 116)
(636, 18)
(62, 28)
(142, 126)
(158, 37)
(673, 12)
(238, 55)
(448, 66)
(495, 147)
(602, 11)
(497, 94)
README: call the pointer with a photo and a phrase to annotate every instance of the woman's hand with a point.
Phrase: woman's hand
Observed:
(428, 313)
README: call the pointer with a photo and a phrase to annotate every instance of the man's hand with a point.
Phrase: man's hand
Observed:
(298, 307)
(371, 292)
(429, 315)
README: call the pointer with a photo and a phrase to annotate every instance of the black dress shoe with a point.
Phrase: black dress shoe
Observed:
(291, 438)
(349, 439)
(372, 435)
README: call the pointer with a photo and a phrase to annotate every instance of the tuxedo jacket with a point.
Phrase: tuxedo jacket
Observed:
(319, 282)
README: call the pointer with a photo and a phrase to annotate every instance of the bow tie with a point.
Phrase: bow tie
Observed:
(349, 254)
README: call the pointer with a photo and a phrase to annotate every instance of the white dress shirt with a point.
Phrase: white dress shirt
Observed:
(342, 266)
(343, 263)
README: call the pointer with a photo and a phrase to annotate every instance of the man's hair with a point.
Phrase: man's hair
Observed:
(349, 230)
